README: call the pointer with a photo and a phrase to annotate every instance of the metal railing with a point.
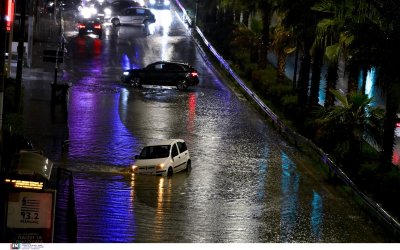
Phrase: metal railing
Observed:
(66, 225)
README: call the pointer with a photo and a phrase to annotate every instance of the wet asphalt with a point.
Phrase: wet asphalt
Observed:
(246, 184)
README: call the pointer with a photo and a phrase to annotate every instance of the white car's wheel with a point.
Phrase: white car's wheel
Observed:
(188, 166)
(170, 172)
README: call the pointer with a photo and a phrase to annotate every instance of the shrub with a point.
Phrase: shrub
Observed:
(263, 79)
(289, 105)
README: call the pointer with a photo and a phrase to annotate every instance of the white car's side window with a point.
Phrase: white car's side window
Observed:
(182, 147)
(174, 151)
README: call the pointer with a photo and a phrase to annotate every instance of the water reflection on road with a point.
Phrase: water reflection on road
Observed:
(247, 184)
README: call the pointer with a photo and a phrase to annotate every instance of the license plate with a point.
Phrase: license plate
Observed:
(89, 30)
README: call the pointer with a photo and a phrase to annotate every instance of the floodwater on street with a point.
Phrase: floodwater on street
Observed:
(246, 184)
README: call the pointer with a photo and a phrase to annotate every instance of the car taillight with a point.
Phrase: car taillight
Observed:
(193, 74)
(398, 124)
(82, 26)
(97, 26)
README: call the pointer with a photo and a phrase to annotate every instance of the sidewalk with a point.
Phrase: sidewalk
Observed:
(44, 124)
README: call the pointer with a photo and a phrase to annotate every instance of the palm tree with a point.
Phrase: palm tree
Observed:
(389, 64)
(302, 21)
(282, 44)
(246, 44)
(265, 9)
(342, 127)
(366, 33)
(351, 29)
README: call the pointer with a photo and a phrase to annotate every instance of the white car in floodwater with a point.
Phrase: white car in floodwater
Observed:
(164, 157)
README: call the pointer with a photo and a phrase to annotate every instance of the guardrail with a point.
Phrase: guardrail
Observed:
(294, 137)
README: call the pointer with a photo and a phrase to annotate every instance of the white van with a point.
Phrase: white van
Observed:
(162, 158)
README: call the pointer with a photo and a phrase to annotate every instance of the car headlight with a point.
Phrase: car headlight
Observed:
(152, 2)
(160, 166)
(166, 2)
(107, 11)
(93, 11)
(126, 73)
(134, 168)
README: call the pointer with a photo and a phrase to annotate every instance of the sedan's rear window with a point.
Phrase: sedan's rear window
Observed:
(154, 152)
(140, 11)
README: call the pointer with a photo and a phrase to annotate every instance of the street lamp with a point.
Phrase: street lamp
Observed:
(195, 14)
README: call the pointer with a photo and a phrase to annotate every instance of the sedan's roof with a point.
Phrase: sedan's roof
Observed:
(172, 62)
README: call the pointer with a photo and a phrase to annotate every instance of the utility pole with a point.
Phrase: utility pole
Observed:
(3, 35)
(195, 14)
(20, 50)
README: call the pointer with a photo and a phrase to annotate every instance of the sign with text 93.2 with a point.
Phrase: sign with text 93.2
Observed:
(30, 216)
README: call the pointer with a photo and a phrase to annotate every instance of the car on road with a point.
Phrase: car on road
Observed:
(164, 73)
(103, 10)
(133, 16)
(164, 157)
(119, 5)
(159, 4)
(90, 26)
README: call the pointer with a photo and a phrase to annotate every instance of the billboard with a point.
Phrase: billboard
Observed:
(30, 216)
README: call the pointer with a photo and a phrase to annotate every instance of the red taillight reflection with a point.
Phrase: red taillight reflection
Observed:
(97, 26)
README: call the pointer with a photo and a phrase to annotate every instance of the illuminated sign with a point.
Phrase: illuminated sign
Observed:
(25, 184)
(10, 14)
(30, 217)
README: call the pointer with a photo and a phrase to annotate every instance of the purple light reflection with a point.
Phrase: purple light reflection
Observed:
(96, 131)
(126, 63)
(109, 198)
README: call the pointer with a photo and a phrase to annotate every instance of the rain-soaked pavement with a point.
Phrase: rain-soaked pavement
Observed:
(246, 184)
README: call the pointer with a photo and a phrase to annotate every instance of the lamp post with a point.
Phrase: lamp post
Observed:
(20, 51)
(195, 14)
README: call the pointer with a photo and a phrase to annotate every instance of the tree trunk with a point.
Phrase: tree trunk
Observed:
(392, 106)
(353, 79)
(281, 67)
(304, 76)
(364, 80)
(265, 9)
(331, 79)
(316, 76)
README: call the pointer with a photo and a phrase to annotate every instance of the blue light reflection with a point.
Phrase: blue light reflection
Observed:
(317, 216)
(290, 189)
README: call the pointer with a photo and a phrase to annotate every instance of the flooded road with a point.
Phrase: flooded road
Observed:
(246, 184)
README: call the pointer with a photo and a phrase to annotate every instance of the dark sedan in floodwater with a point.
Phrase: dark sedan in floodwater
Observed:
(90, 26)
(181, 75)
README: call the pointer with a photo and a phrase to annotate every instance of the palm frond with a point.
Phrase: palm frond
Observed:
(342, 98)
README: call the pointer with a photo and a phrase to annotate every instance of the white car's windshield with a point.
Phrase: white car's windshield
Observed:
(153, 152)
